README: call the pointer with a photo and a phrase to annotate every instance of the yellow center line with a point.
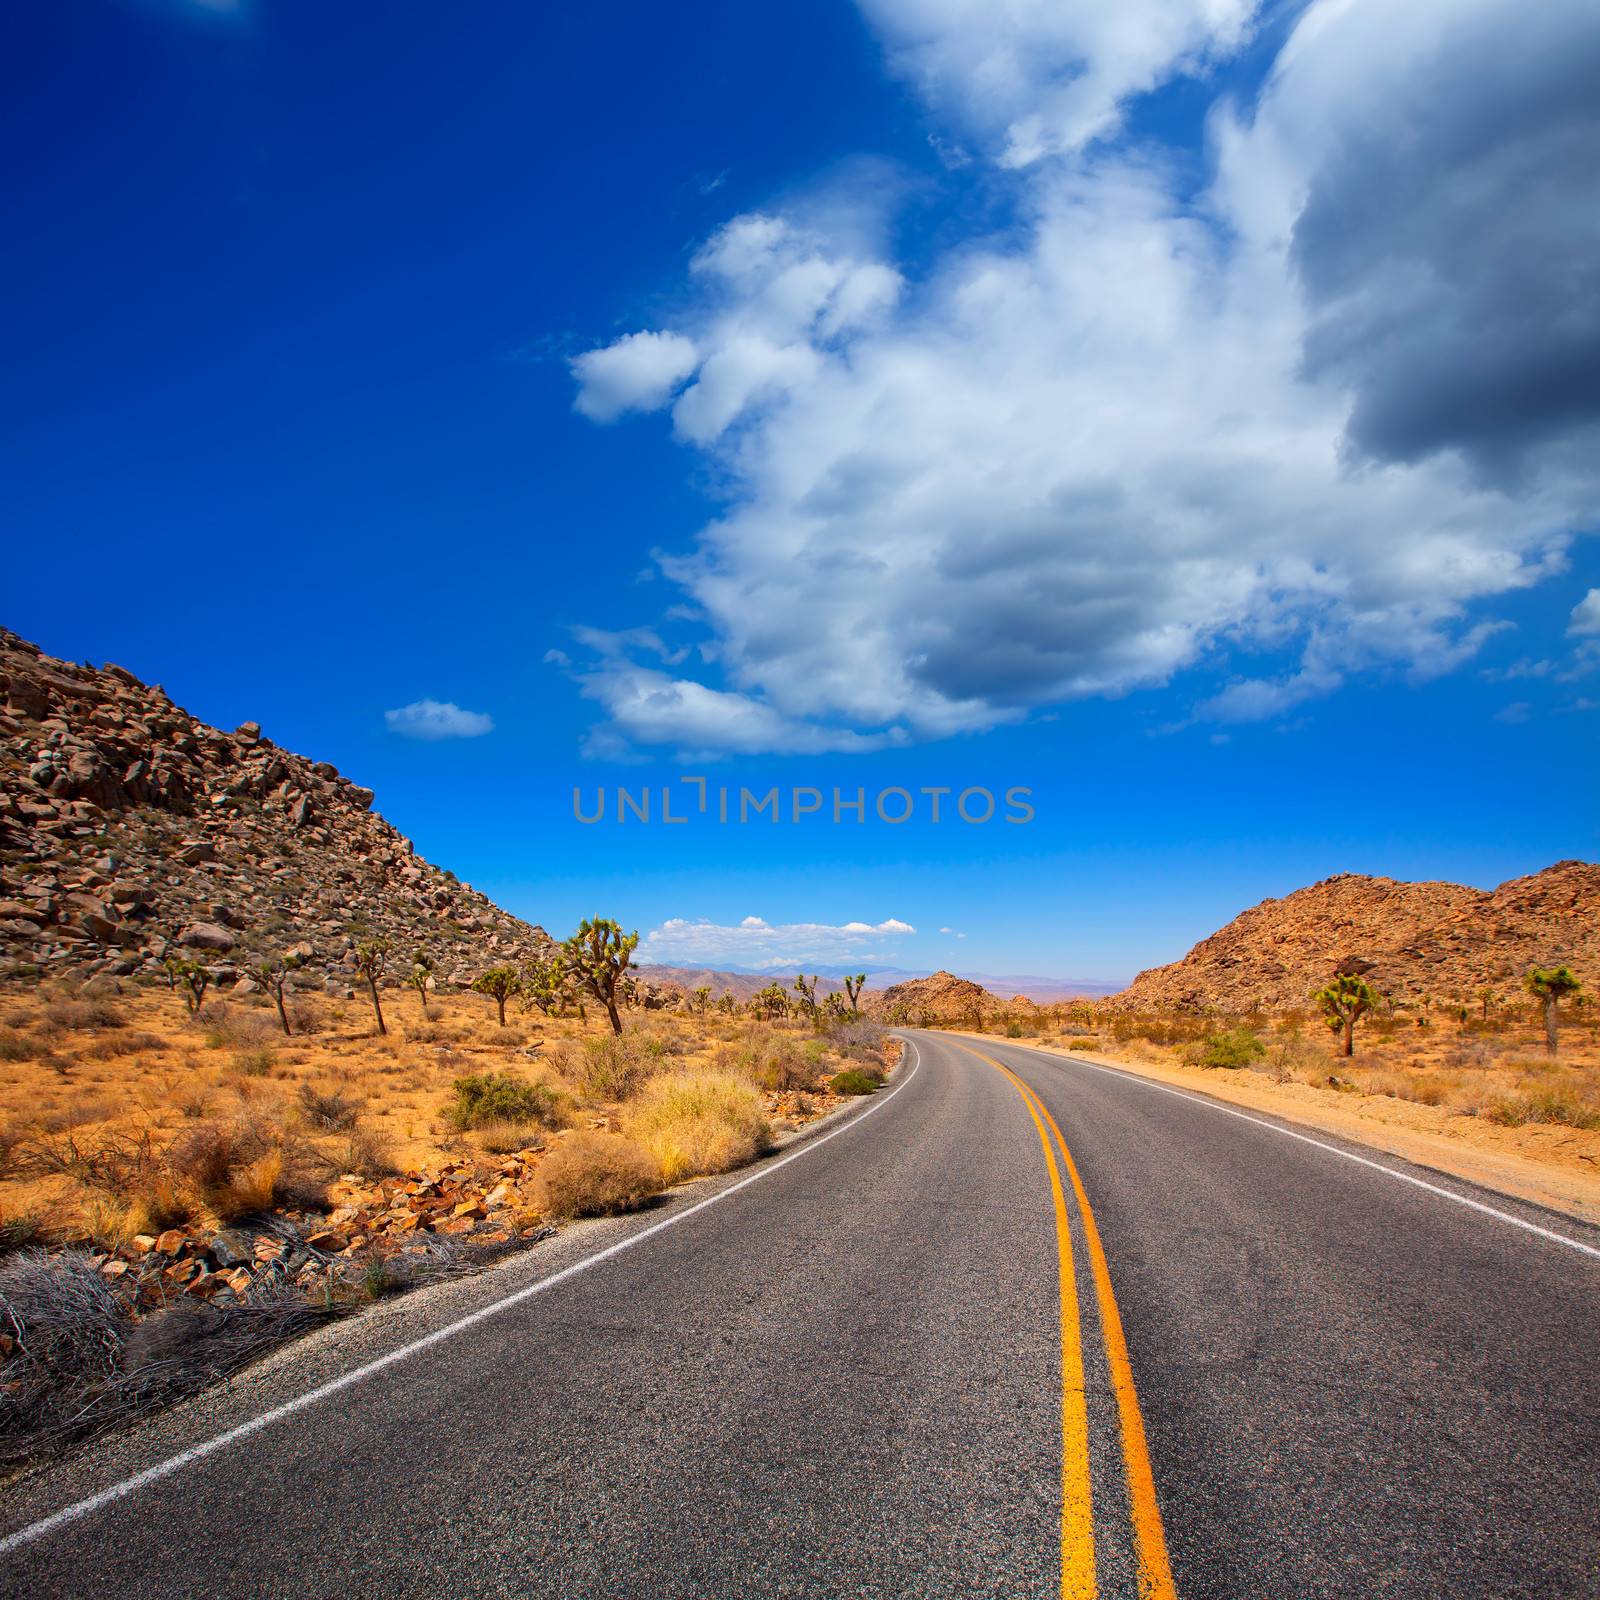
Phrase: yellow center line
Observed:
(1150, 1542)
(1077, 1510)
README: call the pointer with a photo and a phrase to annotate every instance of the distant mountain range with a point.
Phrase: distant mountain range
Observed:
(742, 982)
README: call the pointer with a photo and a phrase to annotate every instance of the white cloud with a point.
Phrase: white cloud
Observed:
(637, 373)
(645, 706)
(1077, 461)
(438, 719)
(1039, 77)
(1586, 616)
(763, 945)
(953, 934)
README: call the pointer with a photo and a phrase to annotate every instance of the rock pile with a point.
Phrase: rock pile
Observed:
(1411, 941)
(485, 1209)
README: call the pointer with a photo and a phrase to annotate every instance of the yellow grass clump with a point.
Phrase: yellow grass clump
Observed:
(696, 1122)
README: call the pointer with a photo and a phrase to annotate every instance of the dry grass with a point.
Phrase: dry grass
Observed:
(596, 1175)
(99, 1141)
(1471, 1071)
(697, 1121)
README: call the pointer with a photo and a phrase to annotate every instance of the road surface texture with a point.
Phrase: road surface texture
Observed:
(903, 1358)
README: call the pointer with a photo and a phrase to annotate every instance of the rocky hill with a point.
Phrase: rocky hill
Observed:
(1409, 940)
(741, 985)
(943, 998)
(130, 830)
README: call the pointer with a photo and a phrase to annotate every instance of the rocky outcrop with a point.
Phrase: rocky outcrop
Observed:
(130, 830)
(1411, 941)
(943, 998)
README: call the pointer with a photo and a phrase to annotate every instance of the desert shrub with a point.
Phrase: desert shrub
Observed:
(79, 1015)
(777, 1060)
(1424, 1089)
(596, 1175)
(615, 1067)
(1013, 1030)
(489, 1097)
(231, 1027)
(232, 1169)
(853, 1080)
(698, 1122)
(67, 1327)
(1083, 1044)
(657, 1039)
(123, 1044)
(329, 1110)
(1233, 1047)
(1553, 1105)
(367, 1152)
(856, 1039)
(504, 1136)
(507, 1038)
(22, 1230)
(16, 1046)
(255, 1063)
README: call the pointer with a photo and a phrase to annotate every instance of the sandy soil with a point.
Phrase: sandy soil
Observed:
(1550, 1164)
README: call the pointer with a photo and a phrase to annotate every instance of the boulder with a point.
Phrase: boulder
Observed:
(206, 936)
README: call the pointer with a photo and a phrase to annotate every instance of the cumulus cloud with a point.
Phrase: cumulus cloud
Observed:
(438, 719)
(646, 706)
(637, 373)
(1586, 616)
(1038, 78)
(1449, 238)
(1116, 443)
(757, 943)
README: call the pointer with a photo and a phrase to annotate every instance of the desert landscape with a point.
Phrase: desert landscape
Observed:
(264, 1064)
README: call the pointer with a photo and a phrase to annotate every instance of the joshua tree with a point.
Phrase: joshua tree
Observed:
(420, 976)
(544, 982)
(807, 993)
(370, 957)
(272, 974)
(189, 976)
(770, 1002)
(500, 984)
(1344, 1003)
(1550, 986)
(726, 1003)
(597, 956)
(853, 987)
(1486, 998)
(702, 999)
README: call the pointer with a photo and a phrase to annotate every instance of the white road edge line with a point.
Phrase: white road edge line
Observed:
(184, 1458)
(1332, 1149)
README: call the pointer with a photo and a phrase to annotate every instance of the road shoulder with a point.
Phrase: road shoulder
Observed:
(1564, 1175)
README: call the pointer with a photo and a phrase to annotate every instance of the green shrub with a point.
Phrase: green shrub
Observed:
(853, 1080)
(490, 1097)
(1233, 1047)
(1084, 1044)
(1013, 1030)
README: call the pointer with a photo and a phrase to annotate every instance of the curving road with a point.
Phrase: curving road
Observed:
(905, 1358)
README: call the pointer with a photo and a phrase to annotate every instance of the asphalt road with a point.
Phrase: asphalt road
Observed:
(888, 1363)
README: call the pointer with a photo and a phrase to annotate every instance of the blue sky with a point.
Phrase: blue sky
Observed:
(1186, 411)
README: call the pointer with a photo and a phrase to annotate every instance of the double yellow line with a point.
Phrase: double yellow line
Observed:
(1077, 1507)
